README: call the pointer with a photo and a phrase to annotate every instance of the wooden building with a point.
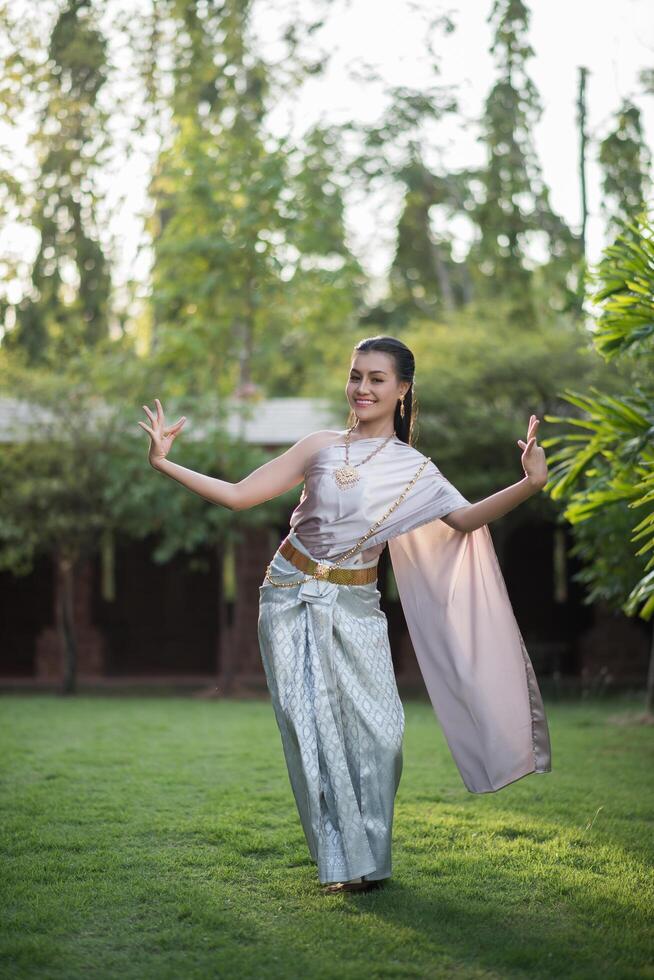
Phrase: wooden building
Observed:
(168, 625)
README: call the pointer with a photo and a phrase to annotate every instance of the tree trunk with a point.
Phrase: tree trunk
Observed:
(581, 118)
(466, 284)
(442, 276)
(65, 621)
(225, 671)
(559, 562)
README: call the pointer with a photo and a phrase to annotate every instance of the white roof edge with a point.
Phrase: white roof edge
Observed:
(263, 421)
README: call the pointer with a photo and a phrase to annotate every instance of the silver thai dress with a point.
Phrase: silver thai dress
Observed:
(328, 665)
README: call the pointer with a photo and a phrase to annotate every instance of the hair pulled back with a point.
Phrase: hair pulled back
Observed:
(405, 368)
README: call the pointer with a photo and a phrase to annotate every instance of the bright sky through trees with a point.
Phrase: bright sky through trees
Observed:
(613, 41)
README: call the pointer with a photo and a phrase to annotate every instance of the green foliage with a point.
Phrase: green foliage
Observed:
(479, 377)
(521, 254)
(625, 291)
(609, 571)
(608, 459)
(251, 268)
(425, 280)
(254, 286)
(512, 210)
(67, 300)
(77, 468)
(625, 161)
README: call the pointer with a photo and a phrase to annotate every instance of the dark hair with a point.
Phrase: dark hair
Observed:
(405, 367)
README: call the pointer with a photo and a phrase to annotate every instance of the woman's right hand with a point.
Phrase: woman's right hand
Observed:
(161, 436)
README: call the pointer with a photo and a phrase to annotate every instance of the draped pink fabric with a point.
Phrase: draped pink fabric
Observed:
(471, 653)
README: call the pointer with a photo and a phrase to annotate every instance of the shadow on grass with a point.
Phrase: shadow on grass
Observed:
(542, 903)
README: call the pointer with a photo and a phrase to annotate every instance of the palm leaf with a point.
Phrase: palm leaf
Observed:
(611, 461)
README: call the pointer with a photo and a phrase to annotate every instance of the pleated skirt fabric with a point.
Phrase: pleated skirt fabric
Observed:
(328, 666)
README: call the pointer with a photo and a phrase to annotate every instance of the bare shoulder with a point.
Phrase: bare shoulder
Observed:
(324, 437)
(315, 441)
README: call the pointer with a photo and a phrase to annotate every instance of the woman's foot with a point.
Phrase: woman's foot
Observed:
(356, 885)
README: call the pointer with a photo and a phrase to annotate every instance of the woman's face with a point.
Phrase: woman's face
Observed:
(373, 388)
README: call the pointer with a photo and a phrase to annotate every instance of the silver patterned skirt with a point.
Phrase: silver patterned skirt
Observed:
(328, 665)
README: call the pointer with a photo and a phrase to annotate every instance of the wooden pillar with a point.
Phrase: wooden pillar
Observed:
(91, 652)
(240, 658)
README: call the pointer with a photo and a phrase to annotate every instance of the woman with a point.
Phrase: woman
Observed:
(324, 639)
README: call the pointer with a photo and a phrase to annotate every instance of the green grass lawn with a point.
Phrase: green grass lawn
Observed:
(153, 837)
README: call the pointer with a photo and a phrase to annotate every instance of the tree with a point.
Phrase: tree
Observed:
(477, 379)
(425, 279)
(75, 474)
(67, 302)
(398, 151)
(583, 144)
(606, 463)
(251, 269)
(521, 250)
(625, 161)
(513, 213)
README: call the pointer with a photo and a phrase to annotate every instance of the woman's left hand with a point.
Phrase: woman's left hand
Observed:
(533, 457)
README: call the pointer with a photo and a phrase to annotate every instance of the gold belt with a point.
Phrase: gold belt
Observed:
(323, 571)
(331, 573)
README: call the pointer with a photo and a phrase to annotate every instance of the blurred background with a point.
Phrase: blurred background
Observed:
(211, 203)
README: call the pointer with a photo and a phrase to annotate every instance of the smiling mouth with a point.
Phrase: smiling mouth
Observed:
(363, 401)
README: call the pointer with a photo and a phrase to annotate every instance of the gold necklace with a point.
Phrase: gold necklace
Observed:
(322, 569)
(346, 476)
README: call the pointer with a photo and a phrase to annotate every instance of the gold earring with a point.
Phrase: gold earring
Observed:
(402, 407)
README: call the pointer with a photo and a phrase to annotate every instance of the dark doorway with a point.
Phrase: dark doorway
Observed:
(164, 619)
(26, 607)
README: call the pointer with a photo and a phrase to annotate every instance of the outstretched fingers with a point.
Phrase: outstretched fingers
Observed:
(174, 429)
(147, 429)
(156, 428)
(152, 431)
(532, 431)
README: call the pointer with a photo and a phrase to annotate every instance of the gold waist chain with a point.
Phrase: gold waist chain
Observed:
(322, 569)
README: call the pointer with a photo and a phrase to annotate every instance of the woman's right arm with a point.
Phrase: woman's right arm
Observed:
(269, 480)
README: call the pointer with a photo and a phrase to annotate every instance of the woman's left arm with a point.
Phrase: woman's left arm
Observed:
(490, 508)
